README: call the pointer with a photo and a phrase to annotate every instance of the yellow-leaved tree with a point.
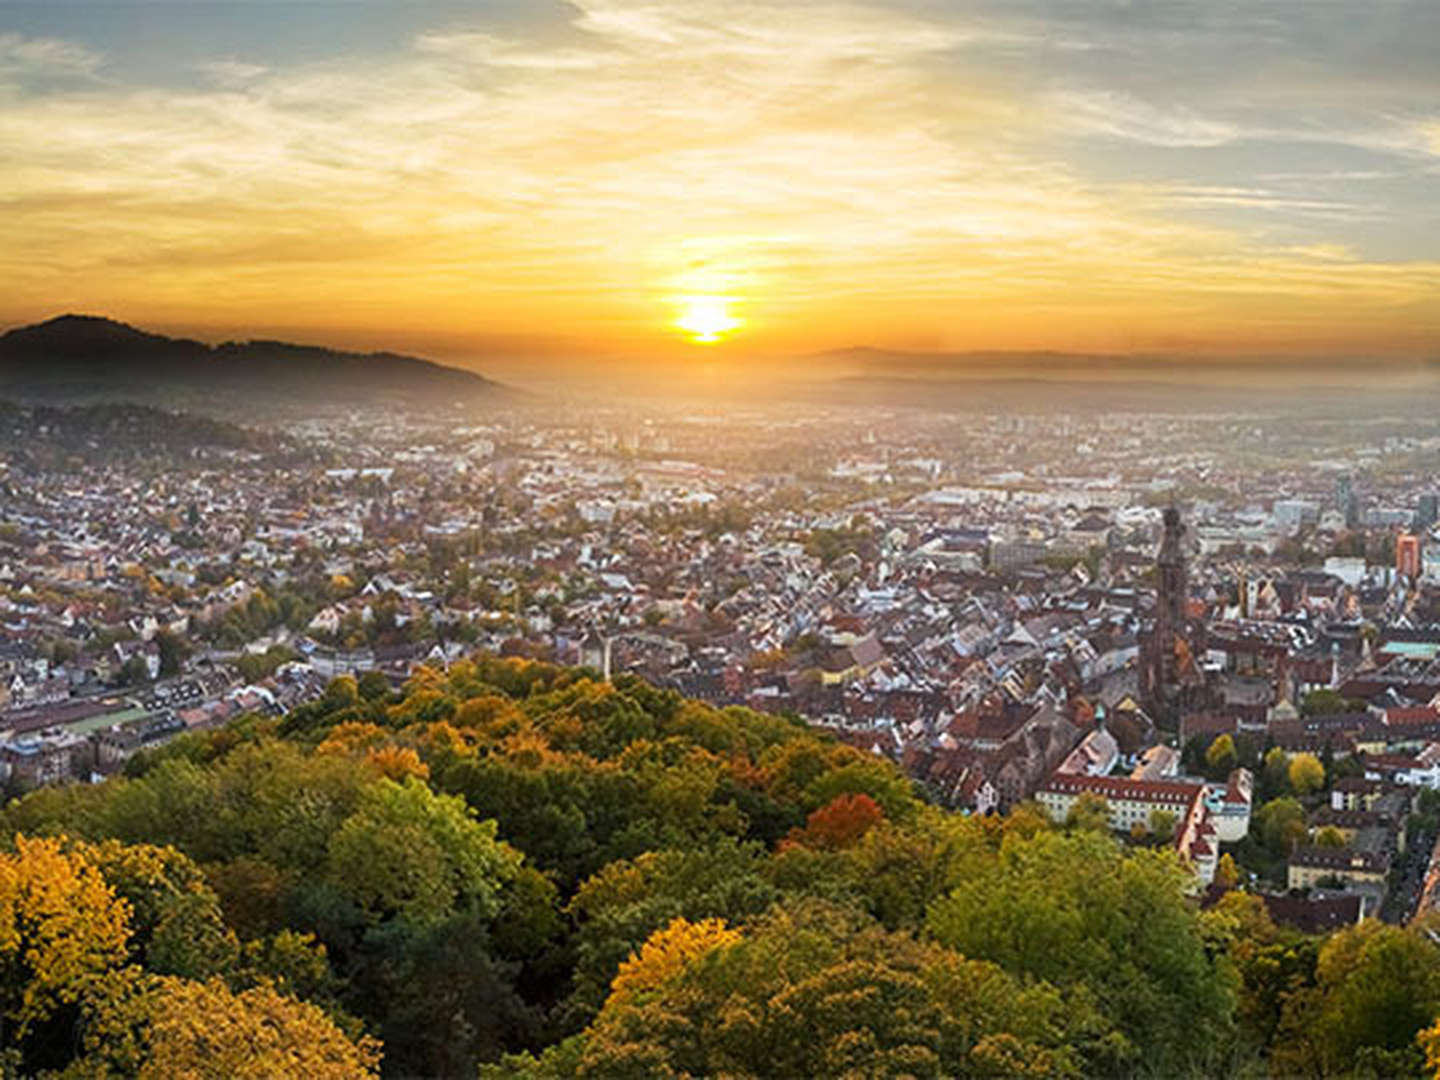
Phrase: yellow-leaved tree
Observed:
(164, 1028)
(61, 928)
(1429, 1040)
(665, 954)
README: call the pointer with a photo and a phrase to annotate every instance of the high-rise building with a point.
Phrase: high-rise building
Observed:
(1345, 501)
(1427, 511)
(1407, 556)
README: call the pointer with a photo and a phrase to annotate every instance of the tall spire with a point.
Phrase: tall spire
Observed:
(1160, 675)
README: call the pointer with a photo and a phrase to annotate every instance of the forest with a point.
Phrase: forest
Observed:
(515, 869)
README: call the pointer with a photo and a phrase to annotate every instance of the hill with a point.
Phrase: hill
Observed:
(44, 439)
(1165, 384)
(81, 358)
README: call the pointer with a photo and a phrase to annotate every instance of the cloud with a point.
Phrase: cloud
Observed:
(1122, 116)
(230, 73)
(24, 58)
(845, 168)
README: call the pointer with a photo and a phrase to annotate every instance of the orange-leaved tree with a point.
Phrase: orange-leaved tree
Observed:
(838, 824)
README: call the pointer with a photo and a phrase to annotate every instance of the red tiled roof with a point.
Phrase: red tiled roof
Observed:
(1420, 715)
(1121, 787)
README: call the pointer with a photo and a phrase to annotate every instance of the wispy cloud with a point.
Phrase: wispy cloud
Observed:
(848, 170)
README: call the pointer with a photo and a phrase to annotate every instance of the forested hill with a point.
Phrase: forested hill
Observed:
(80, 358)
(43, 438)
(517, 868)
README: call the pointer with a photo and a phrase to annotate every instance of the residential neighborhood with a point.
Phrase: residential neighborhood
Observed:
(1159, 614)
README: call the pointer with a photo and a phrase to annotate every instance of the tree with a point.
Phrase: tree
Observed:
(1306, 774)
(1330, 837)
(154, 1028)
(1162, 824)
(61, 928)
(177, 924)
(665, 955)
(1280, 825)
(174, 651)
(1089, 813)
(1275, 772)
(840, 823)
(1077, 910)
(1324, 701)
(812, 990)
(409, 852)
(617, 909)
(1377, 988)
(1221, 757)
(373, 686)
(1429, 1040)
(1227, 874)
(134, 672)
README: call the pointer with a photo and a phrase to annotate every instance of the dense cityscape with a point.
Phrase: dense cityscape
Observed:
(969, 596)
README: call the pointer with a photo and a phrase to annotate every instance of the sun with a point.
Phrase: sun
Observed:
(706, 318)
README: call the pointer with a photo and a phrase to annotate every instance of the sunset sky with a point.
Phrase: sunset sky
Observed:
(624, 178)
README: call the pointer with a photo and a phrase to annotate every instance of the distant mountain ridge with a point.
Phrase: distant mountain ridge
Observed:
(871, 361)
(89, 358)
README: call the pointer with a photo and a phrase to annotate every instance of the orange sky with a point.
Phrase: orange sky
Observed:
(582, 178)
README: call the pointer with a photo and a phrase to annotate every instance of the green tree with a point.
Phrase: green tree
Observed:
(1162, 825)
(1280, 825)
(407, 852)
(1078, 911)
(1089, 813)
(1275, 773)
(177, 924)
(1377, 987)
(174, 651)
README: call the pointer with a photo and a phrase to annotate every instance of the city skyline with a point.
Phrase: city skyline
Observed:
(620, 179)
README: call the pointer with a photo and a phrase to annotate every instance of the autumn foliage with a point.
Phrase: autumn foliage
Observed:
(838, 824)
(65, 945)
(665, 954)
(513, 868)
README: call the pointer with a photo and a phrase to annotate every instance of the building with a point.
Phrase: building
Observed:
(1318, 913)
(1407, 556)
(1427, 511)
(1346, 502)
(1312, 865)
(1291, 515)
(116, 745)
(1356, 793)
(1160, 762)
(1095, 756)
(51, 756)
(1168, 671)
(1136, 804)
(1229, 806)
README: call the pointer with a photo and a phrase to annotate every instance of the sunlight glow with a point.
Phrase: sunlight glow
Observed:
(706, 318)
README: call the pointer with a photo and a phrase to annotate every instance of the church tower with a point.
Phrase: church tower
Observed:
(1166, 660)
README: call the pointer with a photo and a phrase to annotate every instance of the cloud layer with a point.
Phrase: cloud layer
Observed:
(1085, 174)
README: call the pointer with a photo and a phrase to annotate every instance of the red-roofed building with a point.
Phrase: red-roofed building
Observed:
(1415, 716)
(1133, 802)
